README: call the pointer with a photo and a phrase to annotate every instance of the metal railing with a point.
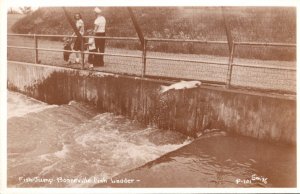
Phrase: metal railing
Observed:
(144, 56)
(231, 57)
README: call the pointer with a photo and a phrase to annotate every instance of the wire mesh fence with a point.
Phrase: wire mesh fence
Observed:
(185, 59)
(277, 70)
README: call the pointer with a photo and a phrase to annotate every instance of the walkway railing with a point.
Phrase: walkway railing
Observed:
(230, 64)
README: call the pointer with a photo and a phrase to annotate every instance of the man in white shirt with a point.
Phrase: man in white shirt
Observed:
(99, 31)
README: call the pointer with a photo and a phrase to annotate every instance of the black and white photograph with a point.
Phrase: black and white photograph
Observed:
(150, 96)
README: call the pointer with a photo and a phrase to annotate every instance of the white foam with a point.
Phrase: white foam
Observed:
(63, 152)
(109, 138)
(19, 105)
(72, 102)
(105, 145)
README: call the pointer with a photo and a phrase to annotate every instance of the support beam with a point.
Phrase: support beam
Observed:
(73, 25)
(230, 46)
(227, 29)
(71, 22)
(136, 26)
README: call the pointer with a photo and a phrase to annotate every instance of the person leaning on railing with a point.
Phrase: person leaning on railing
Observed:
(92, 48)
(99, 31)
(67, 48)
(78, 42)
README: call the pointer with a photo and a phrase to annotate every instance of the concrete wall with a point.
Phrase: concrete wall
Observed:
(188, 111)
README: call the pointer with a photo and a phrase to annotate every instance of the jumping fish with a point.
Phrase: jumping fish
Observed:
(181, 85)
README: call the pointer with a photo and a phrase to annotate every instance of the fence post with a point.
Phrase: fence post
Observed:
(144, 57)
(82, 51)
(229, 72)
(36, 49)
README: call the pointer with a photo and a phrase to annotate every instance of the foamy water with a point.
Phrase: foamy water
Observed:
(75, 142)
(19, 105)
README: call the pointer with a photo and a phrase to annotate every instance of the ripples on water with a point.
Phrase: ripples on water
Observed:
(74, 141)
(217, 160)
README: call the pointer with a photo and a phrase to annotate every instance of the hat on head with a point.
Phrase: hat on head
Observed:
(97, 10)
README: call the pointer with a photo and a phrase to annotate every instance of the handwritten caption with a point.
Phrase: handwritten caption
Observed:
(254, 179)
(84, 180)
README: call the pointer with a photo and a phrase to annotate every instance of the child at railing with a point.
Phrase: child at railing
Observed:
(67, 47)
(91, 48)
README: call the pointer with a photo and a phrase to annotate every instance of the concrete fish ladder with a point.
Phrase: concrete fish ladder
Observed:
(189, 111)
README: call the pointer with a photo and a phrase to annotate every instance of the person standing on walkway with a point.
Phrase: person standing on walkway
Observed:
(99, 31)
(78, 42)
(92, 49)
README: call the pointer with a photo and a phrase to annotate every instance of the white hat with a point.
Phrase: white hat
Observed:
(97, 10)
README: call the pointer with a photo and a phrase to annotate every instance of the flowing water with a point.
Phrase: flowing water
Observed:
(219, 160)
(74, 146)
(74, 141)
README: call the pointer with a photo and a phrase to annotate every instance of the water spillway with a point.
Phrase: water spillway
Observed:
(189, 111)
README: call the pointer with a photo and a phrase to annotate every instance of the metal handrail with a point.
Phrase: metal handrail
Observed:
(21, 47)
(144, 56)
(121, 55)
(163, 40)
(13, 34)
(266, 44)
(112, 38)
(86, 52)
(265, 67)
(72, 51)
(73, 36)
(186, 40)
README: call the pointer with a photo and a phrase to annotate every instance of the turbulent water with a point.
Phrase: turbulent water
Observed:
(74, 141)
(74, 146)
(19, 105)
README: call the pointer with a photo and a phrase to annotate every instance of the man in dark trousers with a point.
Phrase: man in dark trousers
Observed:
(99, 31)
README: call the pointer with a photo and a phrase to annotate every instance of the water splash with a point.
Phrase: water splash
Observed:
(74, 142)
(19, 105)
